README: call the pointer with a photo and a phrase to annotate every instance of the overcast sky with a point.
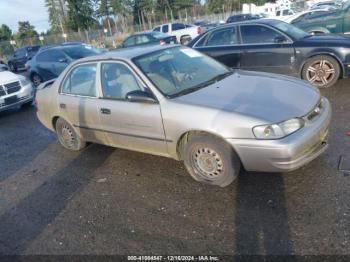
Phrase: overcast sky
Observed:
(34, 11)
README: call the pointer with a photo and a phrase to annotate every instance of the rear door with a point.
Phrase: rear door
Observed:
(132, 125)
(266, 49)
(78, 102)
(221, 44)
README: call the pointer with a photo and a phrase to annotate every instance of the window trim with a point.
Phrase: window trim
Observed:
(60, 92)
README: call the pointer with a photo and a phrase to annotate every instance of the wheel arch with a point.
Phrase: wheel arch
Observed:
(186, 136)
(324, 53)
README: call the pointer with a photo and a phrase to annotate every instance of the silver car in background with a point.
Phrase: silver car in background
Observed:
(178, 103)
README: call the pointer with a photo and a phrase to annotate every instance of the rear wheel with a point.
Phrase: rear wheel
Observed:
(67, 136)
(321, 71)
(36, 79)
(211, 160)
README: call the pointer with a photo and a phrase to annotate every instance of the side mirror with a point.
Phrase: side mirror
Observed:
(280, 39)
(63, 60)
(140, 97)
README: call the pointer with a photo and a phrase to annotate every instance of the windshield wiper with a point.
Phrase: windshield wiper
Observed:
(213, 80)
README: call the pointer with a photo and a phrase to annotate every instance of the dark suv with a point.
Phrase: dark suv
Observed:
(21, 56)
(50, 61)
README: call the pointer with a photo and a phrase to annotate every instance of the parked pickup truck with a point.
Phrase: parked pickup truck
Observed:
(334, 21)
(184, 33)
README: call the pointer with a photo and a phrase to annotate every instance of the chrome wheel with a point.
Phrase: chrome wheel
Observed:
(320, 73)
(208, 163)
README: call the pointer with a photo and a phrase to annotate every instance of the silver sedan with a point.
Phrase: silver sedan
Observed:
(175, 102)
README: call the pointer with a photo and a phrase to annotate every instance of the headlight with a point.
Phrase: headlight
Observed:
(25, 82)
(280, 130)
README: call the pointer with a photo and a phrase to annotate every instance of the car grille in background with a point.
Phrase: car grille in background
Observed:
(19, 99)
(10, 88)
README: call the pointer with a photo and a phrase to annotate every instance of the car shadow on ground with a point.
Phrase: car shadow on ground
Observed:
(261, 215)
(35, 212)
(24, 135)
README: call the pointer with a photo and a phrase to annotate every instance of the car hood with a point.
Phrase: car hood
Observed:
(267, 97)
(7, 76)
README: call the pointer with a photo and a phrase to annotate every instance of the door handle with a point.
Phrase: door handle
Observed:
(105, 111)
(62, 105)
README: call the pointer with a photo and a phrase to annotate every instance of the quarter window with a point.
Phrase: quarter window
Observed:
(255, 34)
(81, 81)
(117, 81)
(225, 36)
(129, 42)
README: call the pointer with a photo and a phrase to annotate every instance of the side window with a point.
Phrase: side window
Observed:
(178, 26)
(165, 28)
(142, 39)
(256, 34)
(225, 36)
(50, 56)
(81, 81)
(117, 81)
(157, 29)
(278, 13)
(129, 42)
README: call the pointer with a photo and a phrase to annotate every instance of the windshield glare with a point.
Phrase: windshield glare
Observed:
(174, 70)
(291, 30)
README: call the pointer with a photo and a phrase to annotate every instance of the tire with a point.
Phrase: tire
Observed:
(210, 160)
(12, 67)
(36, 79)
(321, 71)
(67, 136)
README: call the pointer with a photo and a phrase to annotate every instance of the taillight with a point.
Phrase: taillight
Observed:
(162, 42)
(199, 30)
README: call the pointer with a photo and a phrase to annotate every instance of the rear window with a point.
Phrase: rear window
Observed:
(80, 51)
(159, 35)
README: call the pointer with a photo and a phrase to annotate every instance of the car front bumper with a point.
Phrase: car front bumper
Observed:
(289, 153)
(24, 95)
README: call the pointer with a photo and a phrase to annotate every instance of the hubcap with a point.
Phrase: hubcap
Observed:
(208, 163)
(320, 73)
(67, 136)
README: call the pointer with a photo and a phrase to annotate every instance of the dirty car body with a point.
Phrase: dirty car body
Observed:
(170, 95)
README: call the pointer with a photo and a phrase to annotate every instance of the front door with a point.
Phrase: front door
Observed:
(131, 125)
(265, 49)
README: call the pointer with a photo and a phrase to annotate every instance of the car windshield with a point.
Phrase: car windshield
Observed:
(290, 30)
(178, 71)
(80, 51)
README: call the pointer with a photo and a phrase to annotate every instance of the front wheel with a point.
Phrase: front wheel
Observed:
(321, 71)
(67, 136)
(211, 160)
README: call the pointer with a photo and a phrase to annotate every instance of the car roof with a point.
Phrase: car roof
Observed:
(127, 53)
